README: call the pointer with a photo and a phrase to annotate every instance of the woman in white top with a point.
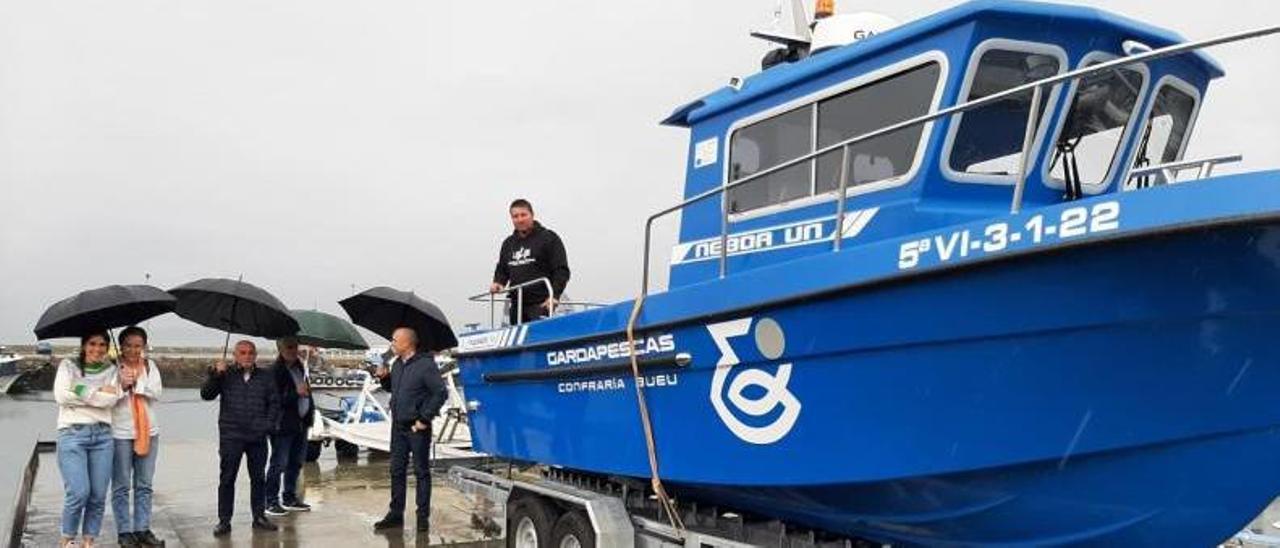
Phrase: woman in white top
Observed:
(133, 425)
(86, 389)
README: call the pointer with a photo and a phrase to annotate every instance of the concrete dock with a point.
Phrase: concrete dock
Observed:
(347, 497)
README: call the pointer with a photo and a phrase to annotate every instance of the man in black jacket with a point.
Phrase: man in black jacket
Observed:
(529, 253)
(289, 442)
(417, 392)
(248, 412)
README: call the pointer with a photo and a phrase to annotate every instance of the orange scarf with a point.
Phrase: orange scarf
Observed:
(141, 422)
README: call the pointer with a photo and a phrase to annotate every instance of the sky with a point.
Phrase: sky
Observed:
(316, 146)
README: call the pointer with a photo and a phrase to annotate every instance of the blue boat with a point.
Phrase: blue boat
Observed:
(884, 320)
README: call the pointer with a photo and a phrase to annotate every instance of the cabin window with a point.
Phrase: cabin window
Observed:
(793, 134)
(763, 145)
(867, 109)
(1166, 127)
(1090, 139)
(1167, 130)
(988, 140)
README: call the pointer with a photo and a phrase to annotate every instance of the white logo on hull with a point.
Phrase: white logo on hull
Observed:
(770, 341)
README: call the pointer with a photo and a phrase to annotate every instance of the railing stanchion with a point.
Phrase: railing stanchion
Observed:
(837, 232)
(519, 305)
(724, 234)
(1028, 140)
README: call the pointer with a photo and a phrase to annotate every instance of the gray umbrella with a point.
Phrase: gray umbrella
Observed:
(103, 308)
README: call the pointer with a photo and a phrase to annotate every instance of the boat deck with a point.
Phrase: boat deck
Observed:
(347, 496)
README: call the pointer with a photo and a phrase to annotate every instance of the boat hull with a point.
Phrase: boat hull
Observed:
(1120, 391)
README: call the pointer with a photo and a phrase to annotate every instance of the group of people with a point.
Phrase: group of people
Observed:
(260, 408)
(108, 438)
(108, 434)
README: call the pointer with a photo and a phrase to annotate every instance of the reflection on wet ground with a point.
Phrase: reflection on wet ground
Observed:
(347, 497)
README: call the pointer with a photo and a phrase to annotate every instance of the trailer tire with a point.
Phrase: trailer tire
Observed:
(346, 450)
(313, 450)
(529, 523)
(573, 530)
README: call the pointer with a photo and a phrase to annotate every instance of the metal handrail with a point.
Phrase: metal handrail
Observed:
(492, 297)
(519, 288)
(1032, 87)
(1169, 172)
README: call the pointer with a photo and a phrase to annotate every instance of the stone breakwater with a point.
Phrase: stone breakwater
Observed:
(177, 371)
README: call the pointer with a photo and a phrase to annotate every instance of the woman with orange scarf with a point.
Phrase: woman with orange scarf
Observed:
(136, 436)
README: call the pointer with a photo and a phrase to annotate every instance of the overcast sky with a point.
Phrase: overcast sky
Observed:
(315, 144)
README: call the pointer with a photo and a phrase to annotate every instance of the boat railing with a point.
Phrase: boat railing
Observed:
(1165, 174)
(1037, 89)
(492, 298)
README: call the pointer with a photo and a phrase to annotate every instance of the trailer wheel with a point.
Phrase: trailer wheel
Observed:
(313, 450)
(573, 530)
(529, 523)
(346, 450)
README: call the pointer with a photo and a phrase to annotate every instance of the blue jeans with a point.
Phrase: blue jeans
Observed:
(132, 471)
(288, 451)
(84, 460)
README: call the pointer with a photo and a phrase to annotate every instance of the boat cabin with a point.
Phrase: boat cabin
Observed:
(1093, 132)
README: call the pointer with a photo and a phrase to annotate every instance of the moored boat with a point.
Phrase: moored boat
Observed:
(10, 374)
(941, 285)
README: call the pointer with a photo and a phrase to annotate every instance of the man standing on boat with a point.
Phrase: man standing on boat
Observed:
(417, 393)
(529, 253)
(248, 413)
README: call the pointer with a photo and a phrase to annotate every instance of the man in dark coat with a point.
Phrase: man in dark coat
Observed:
(530, 252)
(417, 393)
(289, 442)
(248, 412)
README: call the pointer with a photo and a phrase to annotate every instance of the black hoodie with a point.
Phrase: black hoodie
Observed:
(540, 254)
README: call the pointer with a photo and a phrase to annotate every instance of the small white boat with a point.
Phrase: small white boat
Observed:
(362, 420)
(9, 372)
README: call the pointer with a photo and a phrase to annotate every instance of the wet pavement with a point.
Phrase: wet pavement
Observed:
(1260, 532)
(347, 497)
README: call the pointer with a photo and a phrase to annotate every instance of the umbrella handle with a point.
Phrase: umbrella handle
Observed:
(226, 344)
(235, 299)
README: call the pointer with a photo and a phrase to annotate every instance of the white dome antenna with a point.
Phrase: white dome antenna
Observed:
(839, 29)
(801, 36)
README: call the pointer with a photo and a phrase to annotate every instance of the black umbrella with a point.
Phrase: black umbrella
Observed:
(103, 308)
(234, 306)
(383, 309)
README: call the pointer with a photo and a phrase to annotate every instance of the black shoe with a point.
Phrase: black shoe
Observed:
(389, 522)
(261, 523)
(128, 540)
(296, 506)
(147, 538)
(275, 510)
(223, 529)
(424, 527)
